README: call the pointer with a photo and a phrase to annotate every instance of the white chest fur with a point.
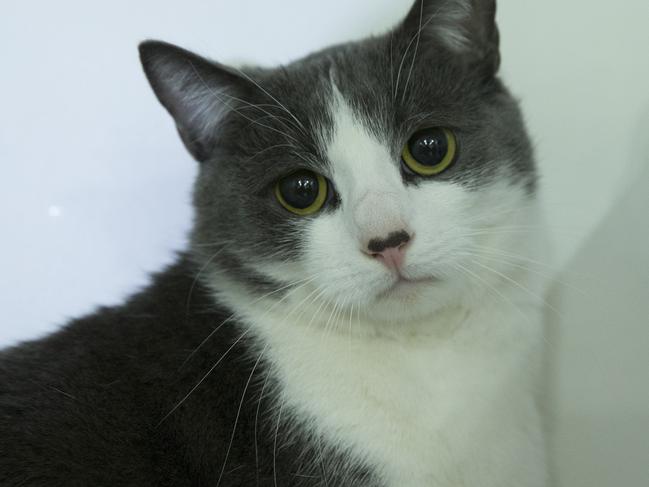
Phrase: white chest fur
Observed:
(454, 407)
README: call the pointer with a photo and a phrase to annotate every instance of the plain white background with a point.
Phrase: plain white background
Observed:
(95, 185)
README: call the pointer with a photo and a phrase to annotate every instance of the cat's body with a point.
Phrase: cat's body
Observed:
(352, 312)
(85, 406)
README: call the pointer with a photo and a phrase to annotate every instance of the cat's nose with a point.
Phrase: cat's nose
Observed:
(390, 250)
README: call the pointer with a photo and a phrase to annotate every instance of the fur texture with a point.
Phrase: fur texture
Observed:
(280, 350)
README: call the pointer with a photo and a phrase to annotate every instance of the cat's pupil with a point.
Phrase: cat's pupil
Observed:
(430, 147)
(300, 189)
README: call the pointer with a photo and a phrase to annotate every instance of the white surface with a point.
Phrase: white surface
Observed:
(94, 183)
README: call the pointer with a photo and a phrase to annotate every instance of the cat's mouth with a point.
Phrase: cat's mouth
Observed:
(406, 286)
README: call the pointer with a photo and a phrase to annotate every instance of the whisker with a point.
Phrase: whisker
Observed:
(321, 461)
(218, 96)
(331, 315)
(351, 316)
(545, 275)
(204, 377)
(513, 256)
(338, 321)
(301, 303)
(214, 244)
(516, 230)
(279, 418)
(258, 106)
(414, 57)
(236, 420)
(317, 313)
(302, 282)
(520, 286)
(405, 54)
(261, 397)
(197, 276)
(391, 62)
(273, 98)
(492, 288)
(276, 146)
(312, 300)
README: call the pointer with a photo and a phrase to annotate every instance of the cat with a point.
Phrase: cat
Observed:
(354, 308)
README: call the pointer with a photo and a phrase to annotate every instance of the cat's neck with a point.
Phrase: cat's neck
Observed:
(382, 395)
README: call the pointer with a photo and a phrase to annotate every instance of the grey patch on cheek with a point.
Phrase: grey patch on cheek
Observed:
(239, 222)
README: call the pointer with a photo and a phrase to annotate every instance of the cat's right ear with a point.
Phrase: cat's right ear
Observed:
(465, 28)
(195, 91)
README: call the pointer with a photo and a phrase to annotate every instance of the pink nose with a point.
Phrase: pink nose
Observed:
(391, 250)
(392, 258)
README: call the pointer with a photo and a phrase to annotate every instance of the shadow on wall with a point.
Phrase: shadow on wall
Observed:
(599, 362)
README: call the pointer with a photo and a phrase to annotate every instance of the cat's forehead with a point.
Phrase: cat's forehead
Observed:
(392, 94)
(376, 78)
(302, 101)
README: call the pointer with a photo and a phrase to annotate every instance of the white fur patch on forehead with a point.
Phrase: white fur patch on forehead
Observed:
(359, 160)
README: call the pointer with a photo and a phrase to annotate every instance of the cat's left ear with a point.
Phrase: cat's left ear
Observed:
(467, 28)
(197, 92)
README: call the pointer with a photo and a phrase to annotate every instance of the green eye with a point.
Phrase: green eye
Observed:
(430, 151)
(303, 192)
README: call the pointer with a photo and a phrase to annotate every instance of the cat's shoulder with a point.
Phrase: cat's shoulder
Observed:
(83, 403)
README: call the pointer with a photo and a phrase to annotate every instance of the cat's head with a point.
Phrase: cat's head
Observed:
(377, 177)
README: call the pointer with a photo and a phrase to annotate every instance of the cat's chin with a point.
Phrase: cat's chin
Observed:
(409, 301)
(407, 289)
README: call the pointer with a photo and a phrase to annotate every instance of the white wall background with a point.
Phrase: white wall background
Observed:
(94, 184)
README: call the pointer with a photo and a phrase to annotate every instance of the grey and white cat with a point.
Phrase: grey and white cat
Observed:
(365, 314)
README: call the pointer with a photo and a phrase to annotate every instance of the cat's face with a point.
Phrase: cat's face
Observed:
(386, 177)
